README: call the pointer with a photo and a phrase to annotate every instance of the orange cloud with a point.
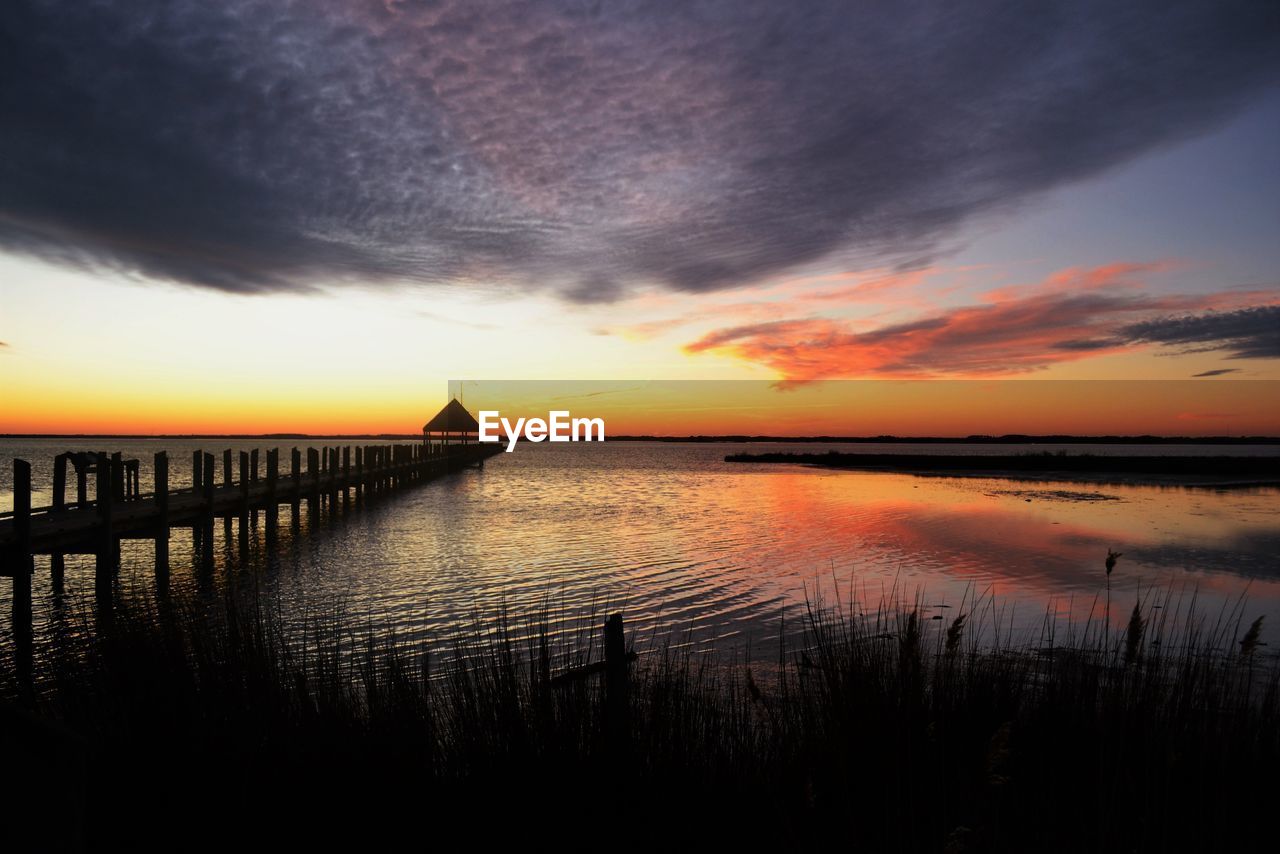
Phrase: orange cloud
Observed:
(1074, 314)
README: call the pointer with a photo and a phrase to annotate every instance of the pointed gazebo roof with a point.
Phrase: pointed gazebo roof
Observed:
(454, 418)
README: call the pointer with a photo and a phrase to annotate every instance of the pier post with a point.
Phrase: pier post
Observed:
(313, 470)
(244, 505)
(273, 509)
(346, 473)
(60, 482)
(617, 689)
(359, 471)
(105, 550)
(313, 482)
(22, 569)
(253, 478)
(162, 521)
(226, 481)
(296, 476)
(206, 555)
(57, 563)
(197, 489)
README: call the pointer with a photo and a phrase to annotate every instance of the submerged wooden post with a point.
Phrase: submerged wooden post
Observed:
(313, 483)
(617, 690)
(57, 563)
(206, 555)
(162, 521)
(296, 476)
(359, 471)
(60, 482)
(244, 504)
(104, 569)
(253, 478)
(22, 569)
(346, 473)
(273, 472)
(226, 481)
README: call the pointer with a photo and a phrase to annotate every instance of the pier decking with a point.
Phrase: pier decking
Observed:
(119, 510)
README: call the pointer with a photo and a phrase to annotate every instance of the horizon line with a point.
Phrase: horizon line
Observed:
(717, 437)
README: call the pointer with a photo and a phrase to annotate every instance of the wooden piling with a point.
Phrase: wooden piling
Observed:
(296, 476)
(58, 563)
(226, 482)
(273, 507)
(244, 504)
(617, 684)
(59, 483)
(313, 481)
(23, 567)
(206, 553)
(162, 521)
(105, 548)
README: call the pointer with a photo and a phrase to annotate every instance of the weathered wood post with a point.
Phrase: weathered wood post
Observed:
(253, 478)
(346, 473)
(273, 509)
(324, 464)
(58, 563)
(244, 504)
(335, 476)
(197, 489)
(59, 482)
(105, 550)
(226, 481)
(617, 689)
(296, 476)
(22, 569)
(359, 471)
(313, 481)
(162, 521)
(206, 555)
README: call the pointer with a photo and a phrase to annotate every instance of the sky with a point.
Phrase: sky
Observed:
(308, 216)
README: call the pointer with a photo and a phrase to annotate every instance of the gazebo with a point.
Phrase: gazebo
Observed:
(451, 424)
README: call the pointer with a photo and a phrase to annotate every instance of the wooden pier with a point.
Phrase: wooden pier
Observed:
(119, 510)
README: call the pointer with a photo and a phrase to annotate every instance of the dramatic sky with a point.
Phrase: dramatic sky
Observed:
(308, 214)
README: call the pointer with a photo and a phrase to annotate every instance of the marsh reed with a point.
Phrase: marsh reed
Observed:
(901, 727)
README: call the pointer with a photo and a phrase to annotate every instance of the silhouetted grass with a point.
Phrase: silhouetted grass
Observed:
(893, 729)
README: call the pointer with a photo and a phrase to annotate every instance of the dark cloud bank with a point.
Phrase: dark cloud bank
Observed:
(583, 147)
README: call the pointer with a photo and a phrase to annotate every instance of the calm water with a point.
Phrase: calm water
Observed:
(685, 542)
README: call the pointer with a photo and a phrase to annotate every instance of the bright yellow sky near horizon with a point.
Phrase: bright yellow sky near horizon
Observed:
(95, 353)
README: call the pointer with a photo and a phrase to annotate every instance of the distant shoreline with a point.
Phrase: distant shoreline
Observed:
(1007, 439)
(1215, 471)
